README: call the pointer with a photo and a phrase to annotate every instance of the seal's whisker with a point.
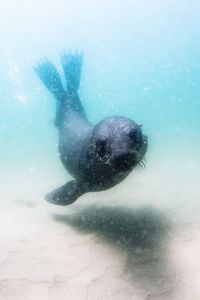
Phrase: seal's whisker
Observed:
(141, 165)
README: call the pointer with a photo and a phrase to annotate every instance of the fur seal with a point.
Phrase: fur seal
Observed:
(98, 157)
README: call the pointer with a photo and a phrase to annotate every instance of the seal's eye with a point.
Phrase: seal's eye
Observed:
(135, 137)
(101, 147)
(132, 134)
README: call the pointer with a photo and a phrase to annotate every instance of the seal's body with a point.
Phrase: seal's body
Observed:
(98, 157)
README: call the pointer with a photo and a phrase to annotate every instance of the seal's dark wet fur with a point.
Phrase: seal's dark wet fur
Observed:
(98, 157)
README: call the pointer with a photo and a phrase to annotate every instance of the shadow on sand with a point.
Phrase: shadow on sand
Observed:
(140, 234)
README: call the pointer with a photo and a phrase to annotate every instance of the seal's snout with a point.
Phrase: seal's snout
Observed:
(145, 139)
(144, 144)
(133, 153)
(123, 161)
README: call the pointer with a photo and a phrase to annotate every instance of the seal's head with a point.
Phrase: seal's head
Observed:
(119, 143)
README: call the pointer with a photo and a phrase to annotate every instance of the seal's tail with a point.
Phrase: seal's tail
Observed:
(66, 101)
(72, 65)
(48, 74)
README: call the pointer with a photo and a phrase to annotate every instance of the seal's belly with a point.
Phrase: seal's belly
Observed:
(70, 156)
(72, 135)
(101, 178)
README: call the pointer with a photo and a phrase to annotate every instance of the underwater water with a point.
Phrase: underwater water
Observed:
(140, 239)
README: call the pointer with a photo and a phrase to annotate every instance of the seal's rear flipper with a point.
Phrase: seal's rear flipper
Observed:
(72, 64)
(48, 74)
(65, 195)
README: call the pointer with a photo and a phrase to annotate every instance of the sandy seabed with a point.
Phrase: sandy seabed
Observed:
(139, 240)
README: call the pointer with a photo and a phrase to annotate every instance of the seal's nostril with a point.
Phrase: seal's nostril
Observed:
(133, 152)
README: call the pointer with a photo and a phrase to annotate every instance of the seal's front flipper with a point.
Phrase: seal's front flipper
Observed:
(48, 74)
(65, 195)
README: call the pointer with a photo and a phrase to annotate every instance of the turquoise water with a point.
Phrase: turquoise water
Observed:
(140, 239)
(141, 60)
